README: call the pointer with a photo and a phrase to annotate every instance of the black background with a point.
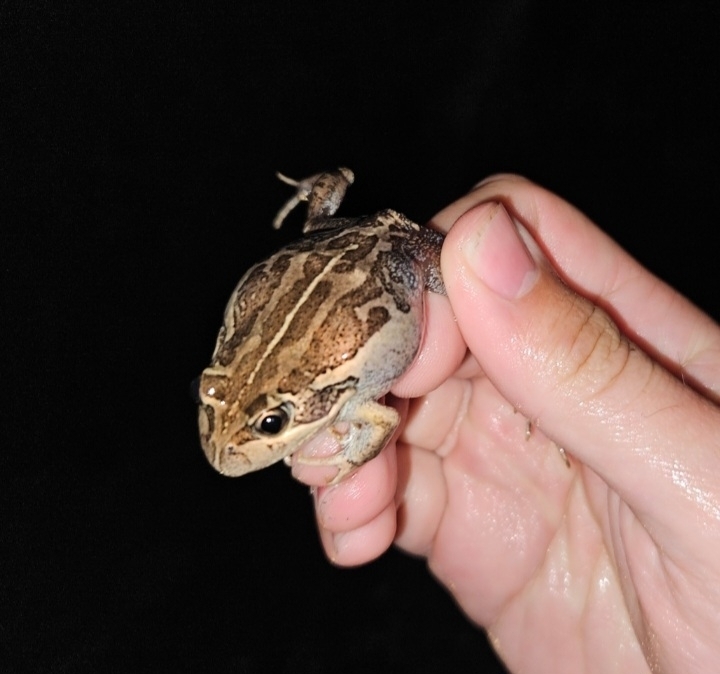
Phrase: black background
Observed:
(138, 149)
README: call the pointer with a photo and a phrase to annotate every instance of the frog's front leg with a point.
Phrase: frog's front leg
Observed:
(324, 193)
(369, 431)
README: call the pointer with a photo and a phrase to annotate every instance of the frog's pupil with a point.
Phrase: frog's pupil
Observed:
(273, 423)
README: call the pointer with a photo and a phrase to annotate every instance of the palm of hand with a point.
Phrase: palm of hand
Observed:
(523, 538)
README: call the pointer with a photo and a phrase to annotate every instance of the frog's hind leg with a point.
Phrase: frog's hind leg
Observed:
(362, 440)
(323, 192)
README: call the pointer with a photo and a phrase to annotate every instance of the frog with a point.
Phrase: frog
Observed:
(315, 336)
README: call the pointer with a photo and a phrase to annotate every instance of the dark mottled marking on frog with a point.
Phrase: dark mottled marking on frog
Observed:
(317, 404)
(272, 323)
(364, 246)
(270, 367)
(377, 317)
(243, 435)
(349, 332)
(318, 239)
(210, 417)
(259, 403)
(401, 269)
(400, 226)
(300, 323)
(398, 277)
(240, 319)
(246, 364)
(314, 265)
(323, 224)
(424, 246)
(301, 245)
(286, 305)
(289, 303)
(253, 293)
(359, 246)
(280, 263)
(339, 337)
(344, 267)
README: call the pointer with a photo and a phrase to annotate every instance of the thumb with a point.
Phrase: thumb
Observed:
(562, 362)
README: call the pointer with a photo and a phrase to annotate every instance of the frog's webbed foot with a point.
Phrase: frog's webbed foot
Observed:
(363, 440)
(302, 192)
(323, 192)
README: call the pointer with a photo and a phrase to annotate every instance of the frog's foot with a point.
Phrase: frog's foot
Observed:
(323, 191)
(303, 188)
(360, 440)
(338, 461)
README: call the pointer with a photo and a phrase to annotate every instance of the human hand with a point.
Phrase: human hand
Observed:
(610, 563)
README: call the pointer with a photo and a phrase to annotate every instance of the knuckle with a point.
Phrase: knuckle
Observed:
(594, 354)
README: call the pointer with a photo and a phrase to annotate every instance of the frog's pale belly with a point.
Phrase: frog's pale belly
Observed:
(315, 334)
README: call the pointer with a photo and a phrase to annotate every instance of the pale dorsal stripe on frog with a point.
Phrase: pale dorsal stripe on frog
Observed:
(313, 335)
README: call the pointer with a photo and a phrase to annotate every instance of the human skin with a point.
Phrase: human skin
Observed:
(602, 557)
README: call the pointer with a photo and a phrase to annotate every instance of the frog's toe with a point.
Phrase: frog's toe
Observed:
(359, 440)
(336, 461)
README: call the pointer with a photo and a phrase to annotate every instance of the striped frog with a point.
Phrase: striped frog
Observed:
(313, 336)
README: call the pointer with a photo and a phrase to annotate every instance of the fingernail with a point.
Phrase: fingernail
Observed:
(496, 253)
(338, 543)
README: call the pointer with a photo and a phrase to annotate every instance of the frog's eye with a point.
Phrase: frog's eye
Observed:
(273, 421)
